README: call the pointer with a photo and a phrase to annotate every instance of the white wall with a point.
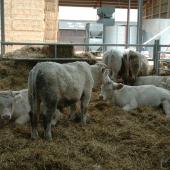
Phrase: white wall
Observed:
(151, 27)
(117, 34)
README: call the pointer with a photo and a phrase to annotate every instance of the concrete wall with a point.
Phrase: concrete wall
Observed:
(117, 34)
(152, 27)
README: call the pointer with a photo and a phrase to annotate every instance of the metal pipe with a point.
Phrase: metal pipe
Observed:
(127, 25)
(75, 44)
(2, 28)
(55, 51)
(139, 23)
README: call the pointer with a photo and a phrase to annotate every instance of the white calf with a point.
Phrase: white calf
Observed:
(131, 97)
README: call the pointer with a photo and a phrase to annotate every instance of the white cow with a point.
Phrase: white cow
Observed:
(113, 59)
(131, 97)
(58, 85)
(159, 81)
(14, 105)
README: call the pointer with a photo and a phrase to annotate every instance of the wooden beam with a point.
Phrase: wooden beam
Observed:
(94, 5)
(168, 15)
(89, 3)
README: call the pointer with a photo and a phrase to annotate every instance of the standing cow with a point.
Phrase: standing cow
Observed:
(131, 97)
(58, 85)
(133, 64)
(113, 59)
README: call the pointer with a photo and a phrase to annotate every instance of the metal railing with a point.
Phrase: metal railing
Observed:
(155, 58)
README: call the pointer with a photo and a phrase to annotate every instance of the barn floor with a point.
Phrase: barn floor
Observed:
(112, 138)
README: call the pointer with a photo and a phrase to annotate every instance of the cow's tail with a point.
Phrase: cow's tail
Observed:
(33, 100)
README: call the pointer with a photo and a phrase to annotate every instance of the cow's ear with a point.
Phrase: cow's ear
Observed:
(12, 93)
(102, 66)
(163, 84)
(120, 85)
(17, 97)
(106, 78)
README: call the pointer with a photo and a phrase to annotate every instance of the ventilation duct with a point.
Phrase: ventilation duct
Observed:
(105, 15)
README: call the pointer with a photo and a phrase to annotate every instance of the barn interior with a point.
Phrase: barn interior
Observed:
(112, 138)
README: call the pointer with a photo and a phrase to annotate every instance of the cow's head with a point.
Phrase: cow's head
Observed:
(97, 71)
(134, 65)
(6, 105)
(108, 87)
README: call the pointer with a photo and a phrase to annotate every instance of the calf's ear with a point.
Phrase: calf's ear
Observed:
(105, 67)
(102, 66)
(120, 85)
(106, 78)
(17, 97)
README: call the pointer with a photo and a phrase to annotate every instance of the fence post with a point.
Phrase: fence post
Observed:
(2, 27)
(55, 51)
(156, 56)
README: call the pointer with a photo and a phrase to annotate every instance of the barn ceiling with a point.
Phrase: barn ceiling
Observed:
(99, 3)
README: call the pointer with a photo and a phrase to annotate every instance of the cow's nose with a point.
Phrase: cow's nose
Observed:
(6, 117)
(100, 97)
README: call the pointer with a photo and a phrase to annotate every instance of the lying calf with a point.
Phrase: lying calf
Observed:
(131, 97)
(15, 105)
(159, 81)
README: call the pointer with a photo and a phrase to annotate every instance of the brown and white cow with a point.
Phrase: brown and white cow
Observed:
(113, 59)
(134, 64)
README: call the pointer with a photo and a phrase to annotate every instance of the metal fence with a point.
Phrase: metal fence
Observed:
(156, 51)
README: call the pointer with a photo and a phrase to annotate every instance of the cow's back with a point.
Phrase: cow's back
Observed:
(65, 80)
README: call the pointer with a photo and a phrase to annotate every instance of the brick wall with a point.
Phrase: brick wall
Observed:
(30, 20)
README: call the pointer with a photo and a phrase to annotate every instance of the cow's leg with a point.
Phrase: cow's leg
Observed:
(34, 120)
(56, 117)
(85, 99)
(166, 108)
(22, 119)
(132, 105)
(72, 111)
(50, 109)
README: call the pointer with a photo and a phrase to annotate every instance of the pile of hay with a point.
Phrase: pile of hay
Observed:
(47, 51)
(112, 138)
(29, 52)
(14, 74)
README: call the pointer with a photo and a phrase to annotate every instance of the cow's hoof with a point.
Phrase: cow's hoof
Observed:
(48, 137)
(72, 116)
(84, 119)
(34, 135)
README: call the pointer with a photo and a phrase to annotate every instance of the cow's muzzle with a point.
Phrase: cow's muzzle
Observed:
(6, 117)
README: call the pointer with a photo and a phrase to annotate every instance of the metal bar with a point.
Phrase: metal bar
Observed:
(164, 69)
(164, 45)
(2, 28)
(165, 60)
(139, 24)
(75, 44)
(164, 52)
(157, 57)
(127, 25)
(55, 51)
